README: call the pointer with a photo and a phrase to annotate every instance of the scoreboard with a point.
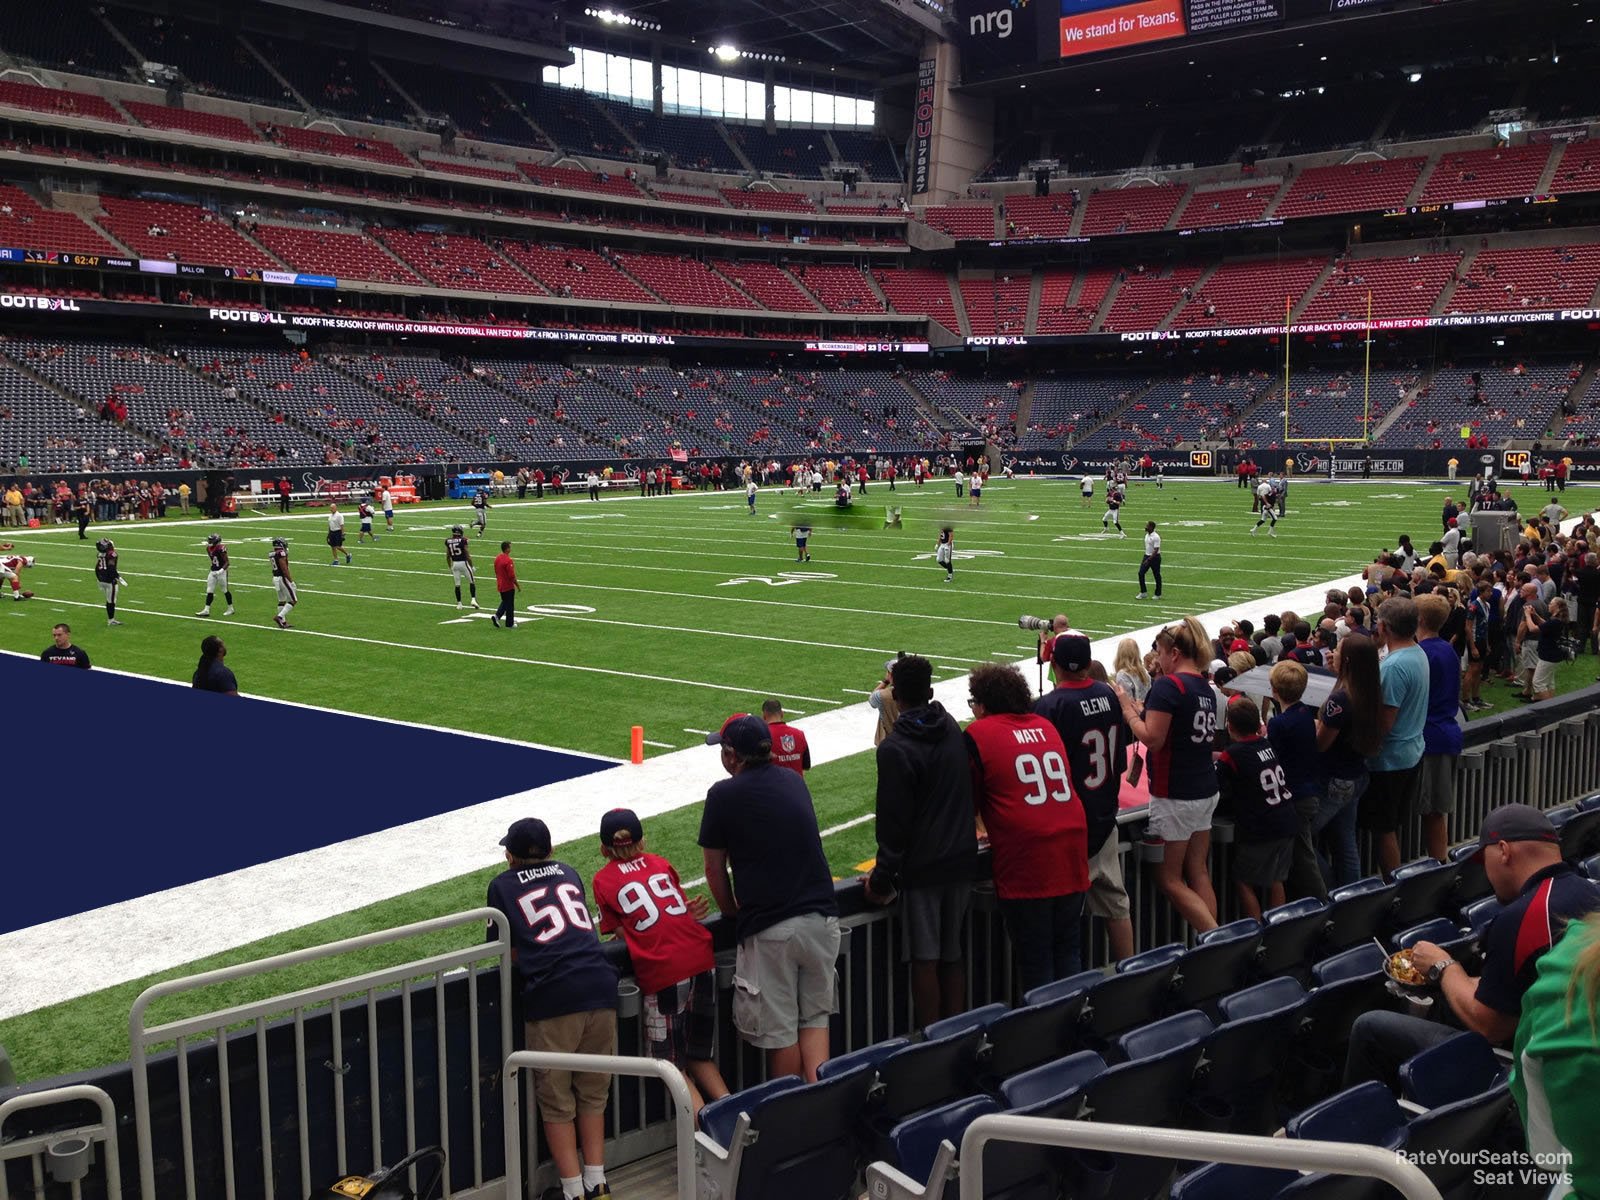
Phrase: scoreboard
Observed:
(1000, 36)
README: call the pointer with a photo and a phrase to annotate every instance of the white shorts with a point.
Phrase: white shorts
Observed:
(285, 591)
(7, 573)
(480, 518)
(942, 556)
(1180, 820)
(108, 590)
(217, 581)
(462, 571)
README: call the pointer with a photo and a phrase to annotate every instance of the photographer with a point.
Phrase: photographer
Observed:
(1047, 632)
(881, 700)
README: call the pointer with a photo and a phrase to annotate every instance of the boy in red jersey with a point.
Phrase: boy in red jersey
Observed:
(639, 896)
(1038, 833)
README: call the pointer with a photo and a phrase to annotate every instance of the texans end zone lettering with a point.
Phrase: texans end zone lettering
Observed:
(1200, 460)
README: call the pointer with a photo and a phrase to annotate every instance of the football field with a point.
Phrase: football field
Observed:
(670, 613)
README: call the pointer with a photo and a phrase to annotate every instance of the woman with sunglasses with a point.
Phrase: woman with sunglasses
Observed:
(1178, 725)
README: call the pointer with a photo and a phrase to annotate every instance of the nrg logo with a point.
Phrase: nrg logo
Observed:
(998, 22)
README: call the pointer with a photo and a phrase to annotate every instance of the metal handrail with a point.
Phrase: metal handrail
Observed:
(603, 1064)
(1340, 1158)
(105, 1132)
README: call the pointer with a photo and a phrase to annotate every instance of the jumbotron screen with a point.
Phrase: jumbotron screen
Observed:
(996, 36)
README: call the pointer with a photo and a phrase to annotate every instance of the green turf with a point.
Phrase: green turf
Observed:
(672, 643)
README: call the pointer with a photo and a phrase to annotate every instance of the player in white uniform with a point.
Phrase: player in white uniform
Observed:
(336, 534)
(388, 510)
(1264, 497)
(1113, 515)
(459, 556)
(11, 568)
(217, 576)
(944, 554)
(1086, 490)
(284, 579)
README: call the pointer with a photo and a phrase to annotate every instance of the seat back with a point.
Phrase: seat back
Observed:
(806, 1143)
(1480, 913)
(1471, 882)
(1451, 1071)
(1466, 1123)
(976, 1018)
(1580, 836)
(1229, 1181)
(1159, 1037)
(1422, 890)
(718, 1118)
(927, 1074)
(1367, 1114)
(867, 1056)
(1072, 985)
(1268, 996)
(1155, 957)
(1290, 935)
(1357, 912)
(1026, 1037)
(1441, 931)
(1215, 968)
(916, 1140)
(1360, 960)
(1052, 1080)
(1591, 866)
(1127, 999)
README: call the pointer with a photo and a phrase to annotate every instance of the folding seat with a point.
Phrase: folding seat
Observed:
(1591, 866)
(1357, 912)
(1444, 933)
(1422, 890)
(1221, 963)
(867, 1056)
(1452, 1071)
(1026, 1037)
(1228, 1181)
(925, 1146)
(1053, 1080)
(1480, 913)
(976, 1018)
(1072, 985)
(1580, 834)
(921, 1076)
(1248, 1055)
(1128, 999)
(784, 1139)
(1471, 882)
(1367, 1114)
(1348, 985)
(1438, 1136)
(1290, 936)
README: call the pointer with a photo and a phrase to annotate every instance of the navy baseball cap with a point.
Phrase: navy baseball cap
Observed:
(1515, 823)
(619, 822)
(527, 838)
(1071, 652)
(745, 735)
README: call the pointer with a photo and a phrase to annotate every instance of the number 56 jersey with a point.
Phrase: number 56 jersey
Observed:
(643, 898)
(559, 960)
(1023, 788)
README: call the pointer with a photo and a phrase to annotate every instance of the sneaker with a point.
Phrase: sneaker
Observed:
(1273, 532)
(494, 619)
(475, 603)
(1484, 704)
(347, 560)
(204, 612)
(113, 621)
(1253, 531)
(280, 622)
(229, 612)
(600, 1191)
(1122, 535)
(1141, 596)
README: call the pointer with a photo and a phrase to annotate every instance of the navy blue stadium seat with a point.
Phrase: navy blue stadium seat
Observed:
(1268, 996)
(1216, 966)
(801, 1142)
(1155, 957)
(976, 1018)
(1245, 1057)
(1349, 964)
(1348, 985)
(1367, 1114)
(1444, 933)
(1072, 985)
(1591, 866)
(924, 1075)
(1438, 1136)
(867, 1056)
(1228, 1181)
(1471, 882)
(917, 1141)
(1125, 1000)
(1480, 913)
(1560, 815)
(1226, 933)
(1026, 1037)
(1580, 835)
(1290, 935)
(1422, 890)
(1356, 912)
(1322, 1186)
(1052, 1080)
(1452, 1071)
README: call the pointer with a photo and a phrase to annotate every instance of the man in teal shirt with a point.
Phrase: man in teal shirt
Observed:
(1403, 672)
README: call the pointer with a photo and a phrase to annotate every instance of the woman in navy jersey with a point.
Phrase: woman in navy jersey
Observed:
(1178, 725)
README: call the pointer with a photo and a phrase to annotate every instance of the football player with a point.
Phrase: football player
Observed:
(364, 512)
(217, 577)
(282, 576)
(459, 557)
(106, 575)
(480, 510)
(1115, 495)
(1264, 498)
(802, 542)
(944, 554)
(11, 568)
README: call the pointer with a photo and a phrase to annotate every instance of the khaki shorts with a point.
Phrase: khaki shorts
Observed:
(1108, 896)
(1528, 656)
(1544, 676)
(784, 980)
(1436, 785)
(562, 1095)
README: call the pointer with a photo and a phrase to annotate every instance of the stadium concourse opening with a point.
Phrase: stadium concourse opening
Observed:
(185, 785)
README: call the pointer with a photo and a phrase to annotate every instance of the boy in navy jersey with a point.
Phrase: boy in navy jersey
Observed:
(1256, 790)
(569, 997)
(640, 897)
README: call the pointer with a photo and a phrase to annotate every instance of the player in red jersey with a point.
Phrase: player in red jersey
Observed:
(789, 747)
(11, 568)
(640, 897)
(1038, 834)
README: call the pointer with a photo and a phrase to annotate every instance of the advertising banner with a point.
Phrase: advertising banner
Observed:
(922, 128)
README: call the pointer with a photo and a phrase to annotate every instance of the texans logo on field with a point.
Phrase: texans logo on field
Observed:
(787, 742)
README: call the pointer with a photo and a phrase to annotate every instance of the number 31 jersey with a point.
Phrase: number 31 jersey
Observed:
(643, 898)
(1023, 788)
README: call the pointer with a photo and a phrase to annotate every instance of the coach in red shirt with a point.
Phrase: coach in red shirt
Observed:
(1038, 834)
(789, 747)
(505, 578)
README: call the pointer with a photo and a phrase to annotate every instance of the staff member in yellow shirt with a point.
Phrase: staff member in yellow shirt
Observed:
(183, 498)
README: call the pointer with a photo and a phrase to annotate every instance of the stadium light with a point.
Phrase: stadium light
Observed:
(726, 52)
(607, 16)
(1414, 77)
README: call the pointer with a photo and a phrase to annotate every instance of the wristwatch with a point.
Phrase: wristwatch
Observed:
(1436, 972)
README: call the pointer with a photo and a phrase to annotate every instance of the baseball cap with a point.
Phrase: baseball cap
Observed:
(1071, 652)
(527, 838)
(619, 822)
(743, 734)
(1515, 823)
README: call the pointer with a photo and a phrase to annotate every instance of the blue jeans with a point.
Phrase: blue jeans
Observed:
(1044, 937)
(1337, 815)
(1381, 1041)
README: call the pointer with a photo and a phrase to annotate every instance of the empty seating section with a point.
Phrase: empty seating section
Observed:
(961, 221)
(570, 179)
(1228, 206)
(572, 120)
(1487, 174)
(1351, 187)
(767, 282)
(1249, 293)
(567, 271)
(920, 290)
(213, 61)
(1441, 102)
(1144, 300)
(786, 151)
(57, 434)
(1536, 277)
(1181, 409)
(1037, 216)
(1584, 421)
(1131, 209)
(453, 260)
(475, 105)
(1518, 401)
(868, 407)
(366, 426)
(998, 305)
(690, 400)
(160, 116)
(840, 289)
(1064, 410)
(183, 232)
(768, 201)
(704, 199)
(336, 145)
(691, 142)
(332, 79)
(612, 424)
(679, 279)
(447, 395)
(1400, 287)
(340, 253)
(58, 100)
(64, 33)
(1579, 168)
(1331, 404)
(869, 150)
(28, 225)
(171, 403)
(989, 404)
(453, 166)
(1059, 312)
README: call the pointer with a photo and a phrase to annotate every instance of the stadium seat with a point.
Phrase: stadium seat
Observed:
(1452, 1071)
(1367, 1114)
(1591, 866)
(1072, 985)
(1356, 912)
(1217, 966)
(1126, 1000)
(1480, 913)
(1290, 934)
(867, 1056)
(1026, 1037)
(1436, 1139)
(924, 1075)
(1441, 931)
(1154, 957)
(1580, 834)
(1421, 890)
(1052, 1080)
(976, 1018)
(1228, 1181)
(1247, 1053)
(1348, 984)
(784, 1140)
(1471, 882)
(920, 1143)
